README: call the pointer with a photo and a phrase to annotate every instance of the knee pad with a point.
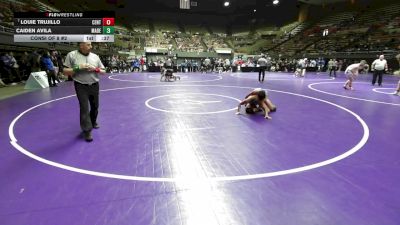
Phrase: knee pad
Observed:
(273, 109)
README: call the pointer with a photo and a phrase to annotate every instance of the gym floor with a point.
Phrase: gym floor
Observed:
(176, 153)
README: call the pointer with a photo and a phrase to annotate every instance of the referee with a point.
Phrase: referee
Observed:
(379, 66)
(262, 62)
(84, 68)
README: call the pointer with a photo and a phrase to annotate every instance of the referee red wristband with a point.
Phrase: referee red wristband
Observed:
(97, 70)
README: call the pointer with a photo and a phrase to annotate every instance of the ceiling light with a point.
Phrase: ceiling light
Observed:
(255, 10)
(226, 3)
(275, 2)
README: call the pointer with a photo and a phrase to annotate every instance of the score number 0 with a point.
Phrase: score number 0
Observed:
(108, 21)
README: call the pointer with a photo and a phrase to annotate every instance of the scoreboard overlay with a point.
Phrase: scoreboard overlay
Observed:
(64, 26)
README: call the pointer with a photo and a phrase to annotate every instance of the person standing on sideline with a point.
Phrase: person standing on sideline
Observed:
(379, 66)
(352, 72)
(302, 67)
(262, 62)
(332, 66)
(48, 66)
(84, 67)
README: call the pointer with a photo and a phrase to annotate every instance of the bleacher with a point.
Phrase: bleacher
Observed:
(127, 42)
(195, 29)
(214, 42)
(159, 40)
(7, 8)
(43, 7)
(268, 30)
(289, 27)
(380, 14)
(336, 19)
(165, 27)
(373, 30)
(189, 43)
(140, 26)
(242, 40)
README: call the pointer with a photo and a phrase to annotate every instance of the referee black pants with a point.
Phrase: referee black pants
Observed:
(377, 74)
(334, 71)
(88, 95)
(262, 70)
